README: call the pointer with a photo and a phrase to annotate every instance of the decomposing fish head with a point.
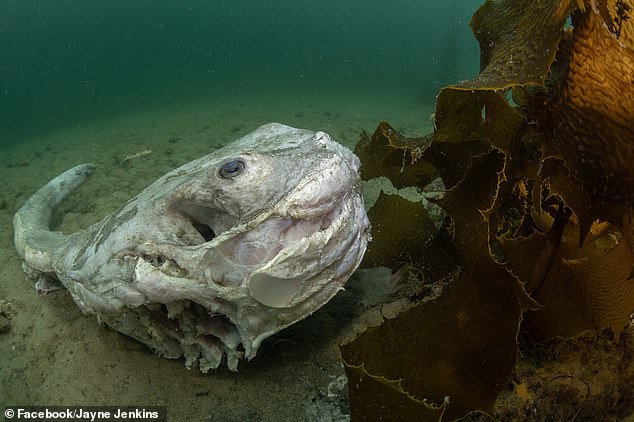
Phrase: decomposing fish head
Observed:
(216, 255)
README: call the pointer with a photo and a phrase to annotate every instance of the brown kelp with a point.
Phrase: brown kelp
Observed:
(536, 153)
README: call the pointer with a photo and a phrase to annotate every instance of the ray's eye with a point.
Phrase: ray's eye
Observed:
(233, 168)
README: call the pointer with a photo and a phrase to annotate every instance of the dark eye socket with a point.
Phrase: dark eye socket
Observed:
(233, 168)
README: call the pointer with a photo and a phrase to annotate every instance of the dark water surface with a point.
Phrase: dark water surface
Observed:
(67, 61)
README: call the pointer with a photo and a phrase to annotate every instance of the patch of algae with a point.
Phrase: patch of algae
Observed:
(396, 218)
(444, 347)
(539, 204)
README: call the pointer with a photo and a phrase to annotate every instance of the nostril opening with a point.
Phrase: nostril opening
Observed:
(205, 231)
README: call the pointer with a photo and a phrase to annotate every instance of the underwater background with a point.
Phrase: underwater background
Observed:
(64, 62)
(141, 87)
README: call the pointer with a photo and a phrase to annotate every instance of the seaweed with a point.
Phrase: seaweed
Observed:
(622, 16)
(536, 155)
(397, 218)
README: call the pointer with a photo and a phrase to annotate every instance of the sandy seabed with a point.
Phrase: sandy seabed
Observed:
(52, 354)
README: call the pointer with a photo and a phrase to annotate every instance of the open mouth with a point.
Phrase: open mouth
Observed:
(203, 328)
(191, 321)
(183, 329)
